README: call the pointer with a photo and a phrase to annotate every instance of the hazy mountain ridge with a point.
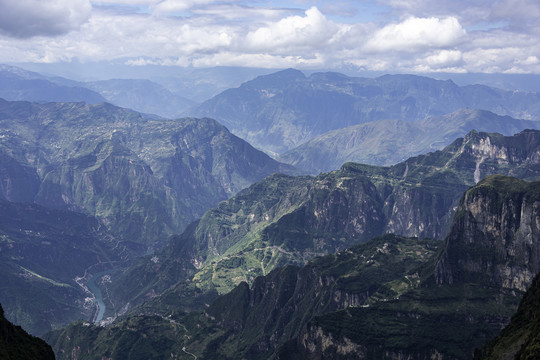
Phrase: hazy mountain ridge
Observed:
(116, 164)
(167, 94)
(137, 94)
(18, 84)
(280, 111)
(387, 142)
(141, 95)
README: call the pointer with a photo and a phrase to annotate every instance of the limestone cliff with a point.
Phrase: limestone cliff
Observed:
(289, 220)
(469, 291)
(495, 239)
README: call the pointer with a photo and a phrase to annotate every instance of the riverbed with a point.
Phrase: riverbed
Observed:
(96, 291)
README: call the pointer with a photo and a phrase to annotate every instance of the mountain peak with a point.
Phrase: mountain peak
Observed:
(277, 79)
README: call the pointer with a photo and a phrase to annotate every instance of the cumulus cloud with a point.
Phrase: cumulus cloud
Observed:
(444, 58)
(294, 31)
(515, 13)
(495, 60)
(147, 36)
(28, 18)
(414, 34)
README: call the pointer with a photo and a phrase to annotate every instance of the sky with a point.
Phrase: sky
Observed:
(420, 36)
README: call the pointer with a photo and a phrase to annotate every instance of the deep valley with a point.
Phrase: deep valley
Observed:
(394, 217)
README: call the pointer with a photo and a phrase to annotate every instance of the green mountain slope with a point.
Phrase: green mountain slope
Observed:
(388, 298)
(136, 179)
(281, 111)
(289, 220)
(267, 313)
(44, 255)
(146, 178)
(19, 182)
(519, 339)
(387, 142)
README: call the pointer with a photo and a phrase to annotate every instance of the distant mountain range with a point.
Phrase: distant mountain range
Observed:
(142, 95)
(281, 111)
(18, 84)
(137, 94)
(387, 142)
(323, 120)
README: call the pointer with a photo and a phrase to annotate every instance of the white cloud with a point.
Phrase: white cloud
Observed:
(531, 60)
(127, 37)
(28, 18)
(172, 6)
(444, 58)
(293, 32)
(516, 13)
(415, 34)
(495, 60)
(259, 60)
(424, 35)
(148, 36)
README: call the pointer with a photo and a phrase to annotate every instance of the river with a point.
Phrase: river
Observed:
(95, 290)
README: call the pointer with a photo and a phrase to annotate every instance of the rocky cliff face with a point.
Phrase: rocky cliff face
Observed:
(489, 259)
(319, 344)
(495, 238)
(289, 220)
